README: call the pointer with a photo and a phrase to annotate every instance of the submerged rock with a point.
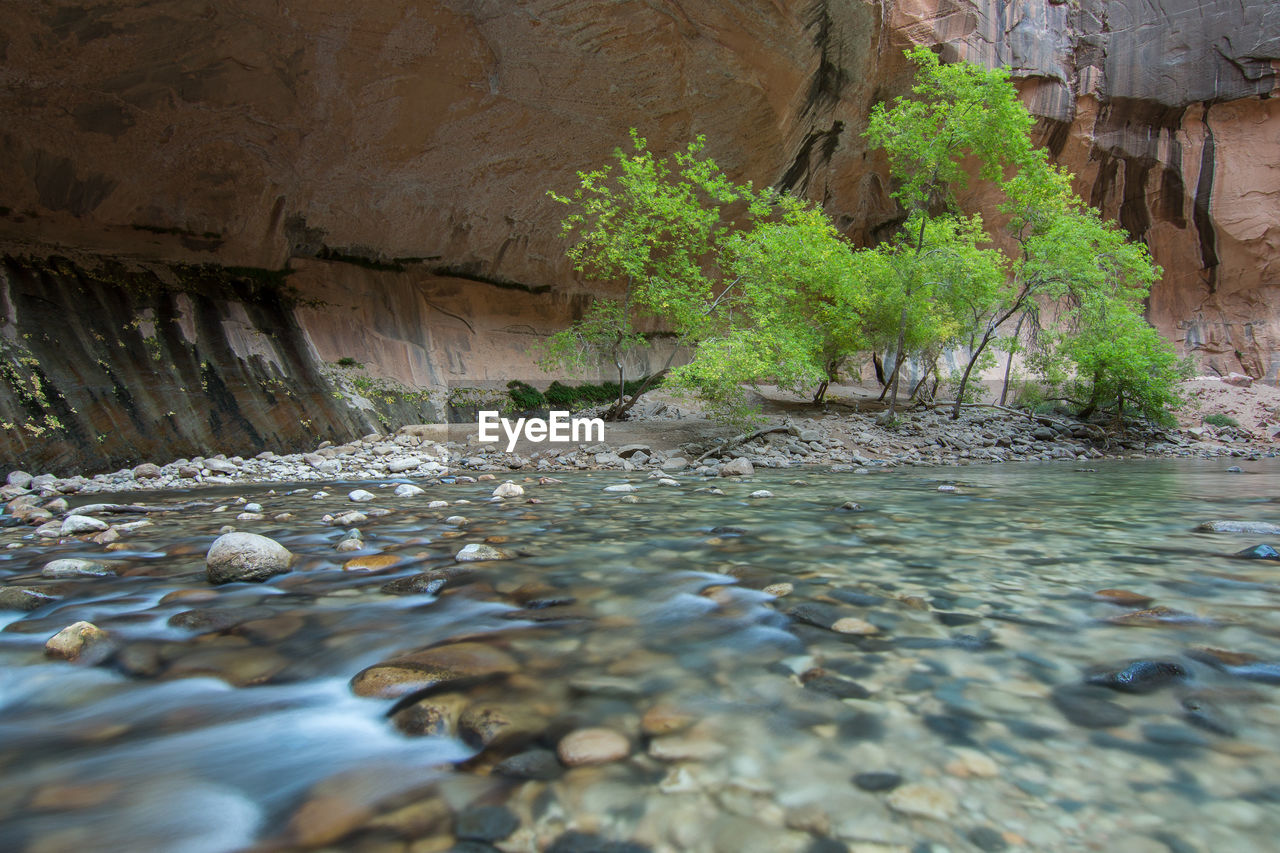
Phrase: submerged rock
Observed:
(1156, 616)
(1260, 528)
(75, 641)
(480, 553)
(922, 801)
(1141, 676)
(246, 557)
(1089, 707)
(877, 781)
(1123, 597)
(592, 746)
(440, 665)
(14, 598)
(73, 567)
(1259, 552)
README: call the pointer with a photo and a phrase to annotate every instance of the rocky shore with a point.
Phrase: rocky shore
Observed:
(844, 442)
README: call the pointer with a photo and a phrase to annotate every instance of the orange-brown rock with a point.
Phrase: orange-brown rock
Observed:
(438, 665)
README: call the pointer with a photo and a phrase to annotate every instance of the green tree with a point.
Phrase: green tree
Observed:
(959, 116)
(956, 114)
(656, 228)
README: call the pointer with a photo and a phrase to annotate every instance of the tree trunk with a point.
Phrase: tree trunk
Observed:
(821, 393)
(1008, 363)
(897, 362)
(968, 368)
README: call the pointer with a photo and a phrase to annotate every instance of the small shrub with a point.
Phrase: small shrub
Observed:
(348, 361)
(1220, 420)
(524, 396)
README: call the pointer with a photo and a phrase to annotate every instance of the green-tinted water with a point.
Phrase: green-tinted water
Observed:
(975, 628)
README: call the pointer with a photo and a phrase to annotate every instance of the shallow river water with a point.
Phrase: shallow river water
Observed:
(973, 697)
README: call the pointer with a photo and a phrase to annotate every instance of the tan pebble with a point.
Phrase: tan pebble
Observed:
(922, 801)
(74, 640)
(854, 625)
(665, 720)
(370, 563)
(586, 747)
(778, 590)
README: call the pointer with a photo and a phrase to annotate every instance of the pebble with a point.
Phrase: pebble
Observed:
(74, 640)
(854, 625)
(877, 781)
(761, 493)
(74, 567)
(360, 496)
(245, 557)
(778, 590)
(435, 666)
(623, 488)
(14, 598)
(1259, 552)
(592, 746)
(485, 823)
(75, 525)
(919, 800)
(1260, 528)
(1089, 707)
(1142, 676)
(406, 490)
(508, 490)
(540, 764)
(1123, 597)
(480, 553)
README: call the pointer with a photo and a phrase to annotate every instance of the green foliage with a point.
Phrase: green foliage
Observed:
(1100, 351)
(573, 397)
(1218, 419)
(524, 396)
(348, 361)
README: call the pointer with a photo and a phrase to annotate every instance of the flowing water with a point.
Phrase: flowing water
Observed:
(975, 627)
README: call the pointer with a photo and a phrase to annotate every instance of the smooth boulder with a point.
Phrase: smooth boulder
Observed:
(246, 557)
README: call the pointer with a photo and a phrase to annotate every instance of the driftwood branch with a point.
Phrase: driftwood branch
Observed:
(742, 439)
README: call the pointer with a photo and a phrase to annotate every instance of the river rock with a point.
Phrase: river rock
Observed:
(1089, 707)
(73, 641)
(147, 471)
(76, 525)
(20, 479)
(1259, 552)
(360, 496)
(1155, 617)
(508, 490)
(877, 781)
(371, 563)
(15, 598)
(246, 557)
(485, 823)
(74, 567)
(922, 801)
(761, 493)
(1258, 528)
(622, 488)
(1123, 597)
(220, 466)
(740, 467)
(480, 553)
(407, 490)
(854, 625)
(435, 666)
(592, 746)
(539, 764)
(1140, 676)
(404, 463)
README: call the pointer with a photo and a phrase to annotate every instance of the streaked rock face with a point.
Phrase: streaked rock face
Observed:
(398, 155)
(1164, 111)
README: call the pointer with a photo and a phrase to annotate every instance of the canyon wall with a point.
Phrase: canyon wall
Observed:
(372, 179)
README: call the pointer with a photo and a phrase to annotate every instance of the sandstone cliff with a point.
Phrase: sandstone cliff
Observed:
(395, 157)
